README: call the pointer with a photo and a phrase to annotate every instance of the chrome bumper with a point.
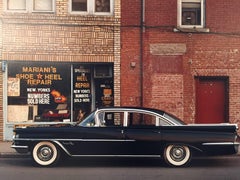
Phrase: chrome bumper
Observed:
(20, 149)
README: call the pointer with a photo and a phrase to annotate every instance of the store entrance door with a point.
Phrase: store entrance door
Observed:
(104, 92)
(212, 100)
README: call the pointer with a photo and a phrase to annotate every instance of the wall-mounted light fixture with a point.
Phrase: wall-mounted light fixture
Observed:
(133, 64)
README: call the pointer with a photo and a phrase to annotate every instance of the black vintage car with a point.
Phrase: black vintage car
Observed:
(127, 132)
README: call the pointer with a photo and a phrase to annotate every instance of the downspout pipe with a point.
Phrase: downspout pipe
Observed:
(142, 29)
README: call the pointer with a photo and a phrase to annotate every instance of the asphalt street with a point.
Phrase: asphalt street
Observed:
(214, 168)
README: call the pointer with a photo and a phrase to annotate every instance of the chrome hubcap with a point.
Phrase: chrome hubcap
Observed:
(45, 153)
(178, 153)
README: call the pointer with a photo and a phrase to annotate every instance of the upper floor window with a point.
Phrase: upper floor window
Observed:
(16, 5)
(79, 5)
(30, 5)
(191, 13)
(43, 5)
(101, 7)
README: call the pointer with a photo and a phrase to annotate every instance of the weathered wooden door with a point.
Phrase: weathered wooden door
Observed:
(212, 100)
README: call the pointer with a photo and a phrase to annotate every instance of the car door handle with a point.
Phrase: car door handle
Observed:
(122, 131)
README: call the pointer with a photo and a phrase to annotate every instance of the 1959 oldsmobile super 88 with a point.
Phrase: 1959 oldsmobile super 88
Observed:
(127, 132)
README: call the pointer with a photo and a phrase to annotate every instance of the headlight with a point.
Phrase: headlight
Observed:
(15, 136)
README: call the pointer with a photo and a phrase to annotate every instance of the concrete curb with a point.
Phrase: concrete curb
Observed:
(13, 155)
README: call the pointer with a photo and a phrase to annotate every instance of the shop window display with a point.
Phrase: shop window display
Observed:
(38, 92)
(55, 92)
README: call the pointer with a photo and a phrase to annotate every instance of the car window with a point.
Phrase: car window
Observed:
(164, 122)
(173, 119)
(107, 119)
(141, 119)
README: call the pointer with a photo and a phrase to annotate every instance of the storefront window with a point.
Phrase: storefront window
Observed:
(82, 91)
(56, 92)
(38, 92)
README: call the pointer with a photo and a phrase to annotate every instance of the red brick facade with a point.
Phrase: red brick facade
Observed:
(172, 58)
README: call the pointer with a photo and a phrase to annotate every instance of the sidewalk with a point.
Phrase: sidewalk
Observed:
(7, 152)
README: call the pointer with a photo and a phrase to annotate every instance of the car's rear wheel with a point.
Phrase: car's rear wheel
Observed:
(177, 155)
(45, 153)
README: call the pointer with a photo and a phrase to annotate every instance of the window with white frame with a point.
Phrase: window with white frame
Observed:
(42, 5)
(16, 5)
(101, 7)
(191, 13)
(30, 5)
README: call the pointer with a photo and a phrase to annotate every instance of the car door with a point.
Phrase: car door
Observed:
(104, 138)
(142, 135)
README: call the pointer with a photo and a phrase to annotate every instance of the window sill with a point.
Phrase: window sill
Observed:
(191, 30)
(85, 13)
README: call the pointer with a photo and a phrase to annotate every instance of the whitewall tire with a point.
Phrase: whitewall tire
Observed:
(177, 155)
(45, 153)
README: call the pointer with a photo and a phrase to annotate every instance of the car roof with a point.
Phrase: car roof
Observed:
(129, 108)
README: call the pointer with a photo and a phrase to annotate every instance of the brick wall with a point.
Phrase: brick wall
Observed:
(223, 16)
(160, 13)
(130, 13)
(61, 37)
(130, 76)
(64, 41)
(215, 53)
(130, 53)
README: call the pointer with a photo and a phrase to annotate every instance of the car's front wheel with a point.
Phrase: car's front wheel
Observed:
(177, 155)
(45, 153)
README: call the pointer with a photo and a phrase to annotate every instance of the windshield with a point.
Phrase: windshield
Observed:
(88, 121)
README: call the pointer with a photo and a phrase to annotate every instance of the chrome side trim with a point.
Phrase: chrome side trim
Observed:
(220, 143)
(63, 148)
(87, 140)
